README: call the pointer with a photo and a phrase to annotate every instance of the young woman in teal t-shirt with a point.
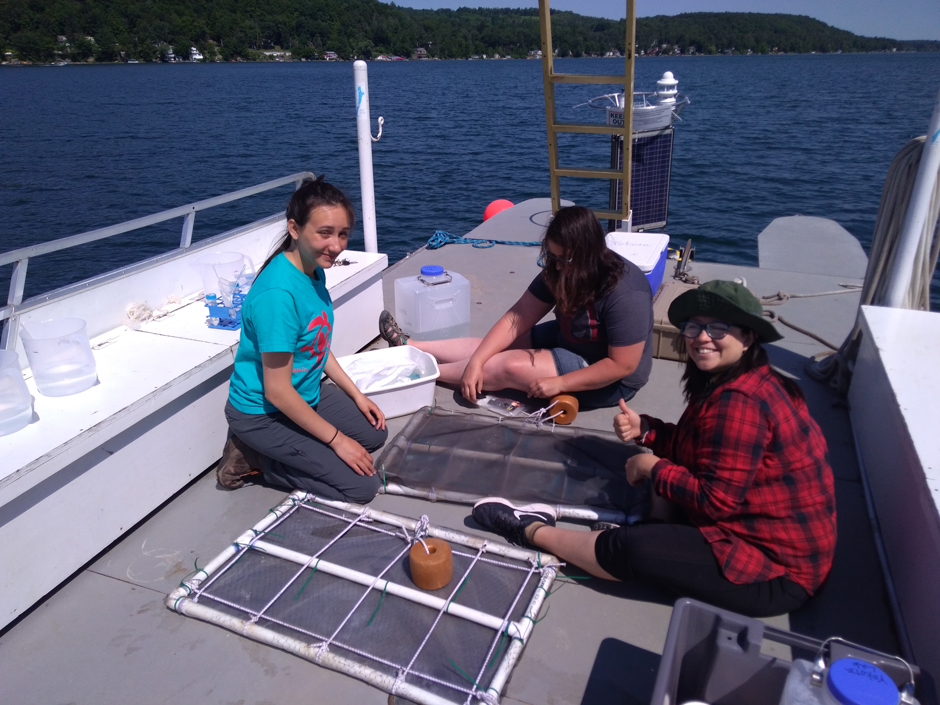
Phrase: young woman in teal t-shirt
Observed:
(282, 421)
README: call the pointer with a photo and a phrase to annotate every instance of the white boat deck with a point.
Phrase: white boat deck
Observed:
(105, 636)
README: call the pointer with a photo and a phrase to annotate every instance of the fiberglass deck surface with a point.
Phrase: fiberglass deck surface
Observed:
(105, 637)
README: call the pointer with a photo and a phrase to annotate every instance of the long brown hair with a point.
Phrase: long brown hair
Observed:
(312, 194)
(699, 385)
(593, 271)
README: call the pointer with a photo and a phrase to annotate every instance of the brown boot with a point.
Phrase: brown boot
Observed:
(239, 461)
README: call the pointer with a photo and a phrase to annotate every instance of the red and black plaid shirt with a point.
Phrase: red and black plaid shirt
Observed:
(750, 468)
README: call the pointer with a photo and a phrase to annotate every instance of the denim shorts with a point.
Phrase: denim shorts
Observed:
(547, 336)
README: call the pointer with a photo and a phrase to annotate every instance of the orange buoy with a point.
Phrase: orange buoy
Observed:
(500, 204)
(431, 568)
(567, 405)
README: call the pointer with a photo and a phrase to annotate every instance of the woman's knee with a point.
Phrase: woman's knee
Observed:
(364, 491)
(509, 370)
(376, 439)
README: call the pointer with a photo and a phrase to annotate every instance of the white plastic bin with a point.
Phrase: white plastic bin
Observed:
(646, 250)
(400, 380)
(433, 305)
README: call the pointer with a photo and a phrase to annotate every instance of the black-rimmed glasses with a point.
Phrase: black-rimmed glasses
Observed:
(549, 259)
(715, 330)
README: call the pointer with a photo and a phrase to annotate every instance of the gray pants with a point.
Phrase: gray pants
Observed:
(295, 459)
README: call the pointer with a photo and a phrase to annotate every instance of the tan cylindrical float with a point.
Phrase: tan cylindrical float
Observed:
(567, 405)
(433, 568)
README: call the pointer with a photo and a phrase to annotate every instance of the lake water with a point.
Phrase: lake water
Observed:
(765, 136)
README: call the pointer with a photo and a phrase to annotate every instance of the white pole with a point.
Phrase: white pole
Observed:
(899, 279)
(364, 132)
(514, 629)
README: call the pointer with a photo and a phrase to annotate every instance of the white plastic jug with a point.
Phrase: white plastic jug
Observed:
(847, 681)
(217, 266)
(59, 355)
(433, 305)
(16, 404)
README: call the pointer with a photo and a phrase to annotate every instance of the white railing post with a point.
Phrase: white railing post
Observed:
(364, 132)
(899, 278)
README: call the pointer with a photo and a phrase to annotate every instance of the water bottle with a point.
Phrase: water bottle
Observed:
(211, 301)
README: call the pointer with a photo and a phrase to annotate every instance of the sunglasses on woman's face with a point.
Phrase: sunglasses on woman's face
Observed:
(715, 330)
(549, 259)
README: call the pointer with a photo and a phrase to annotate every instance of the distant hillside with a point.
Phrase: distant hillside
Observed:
(740, 32)
(145, 30)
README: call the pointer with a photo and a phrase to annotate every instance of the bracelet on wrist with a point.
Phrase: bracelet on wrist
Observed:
(330, 443)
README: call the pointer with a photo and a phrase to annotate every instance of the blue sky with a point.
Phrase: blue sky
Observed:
(900, 19)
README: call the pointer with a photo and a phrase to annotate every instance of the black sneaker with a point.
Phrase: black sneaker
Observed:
(509, 521)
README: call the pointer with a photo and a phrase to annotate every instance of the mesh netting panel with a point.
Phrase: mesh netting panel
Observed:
(479, 456)
(383, 631)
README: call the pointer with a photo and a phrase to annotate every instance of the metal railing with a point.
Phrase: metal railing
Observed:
(20, 257)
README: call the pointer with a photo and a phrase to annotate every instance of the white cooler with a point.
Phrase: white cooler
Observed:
(646, 250)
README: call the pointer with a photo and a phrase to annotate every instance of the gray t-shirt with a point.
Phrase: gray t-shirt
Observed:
(623, 316)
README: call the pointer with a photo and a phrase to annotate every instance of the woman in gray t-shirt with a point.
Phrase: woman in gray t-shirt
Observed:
(598, 348)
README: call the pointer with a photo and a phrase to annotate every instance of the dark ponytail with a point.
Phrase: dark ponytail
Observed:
(312, 194)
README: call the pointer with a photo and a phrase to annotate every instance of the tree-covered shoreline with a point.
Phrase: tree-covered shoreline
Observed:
(158, 30)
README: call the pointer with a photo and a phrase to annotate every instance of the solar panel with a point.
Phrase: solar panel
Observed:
(650, 174)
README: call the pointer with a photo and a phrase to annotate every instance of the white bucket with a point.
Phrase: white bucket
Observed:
(59, 355)
(16, 404)
(217, 266)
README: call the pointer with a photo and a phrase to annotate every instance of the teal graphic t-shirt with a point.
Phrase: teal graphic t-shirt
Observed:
(285, 311)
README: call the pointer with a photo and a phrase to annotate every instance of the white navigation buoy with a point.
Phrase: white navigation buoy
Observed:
(666, 88)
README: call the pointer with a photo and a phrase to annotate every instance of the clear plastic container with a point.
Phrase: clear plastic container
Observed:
(433, 305)
(848, 681)
(16, 404)
(217, 266)
(59, 355)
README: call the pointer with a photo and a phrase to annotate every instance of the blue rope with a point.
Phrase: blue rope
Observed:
(441, 238)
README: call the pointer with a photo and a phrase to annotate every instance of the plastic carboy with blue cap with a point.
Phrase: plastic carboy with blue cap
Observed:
(433, 305)
(847, 681)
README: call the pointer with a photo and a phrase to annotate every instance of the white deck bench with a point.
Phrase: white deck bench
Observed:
(91, 465)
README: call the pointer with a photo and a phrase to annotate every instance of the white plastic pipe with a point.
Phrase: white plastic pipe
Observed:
(899, 279)
(403, 591)
(364, 133)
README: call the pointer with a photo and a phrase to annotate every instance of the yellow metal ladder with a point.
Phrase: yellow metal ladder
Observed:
(550, 78)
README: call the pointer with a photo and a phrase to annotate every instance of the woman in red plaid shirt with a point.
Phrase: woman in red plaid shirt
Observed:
(746, 470)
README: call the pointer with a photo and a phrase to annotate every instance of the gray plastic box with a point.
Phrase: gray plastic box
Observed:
(714, 656)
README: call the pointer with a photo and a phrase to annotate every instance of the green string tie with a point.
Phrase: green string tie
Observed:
(378, 605)
(257, 533)
(307, 580)
(536, 621)
(456, 594)
(463, 673)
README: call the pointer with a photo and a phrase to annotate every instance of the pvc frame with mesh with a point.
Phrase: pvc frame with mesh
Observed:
(264, 588)
(453, 456)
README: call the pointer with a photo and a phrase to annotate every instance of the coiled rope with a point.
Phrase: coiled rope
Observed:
(781, 297)
(442, 237)
(899, 185)
(895, 198)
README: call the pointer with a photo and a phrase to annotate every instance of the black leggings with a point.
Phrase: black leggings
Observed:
(677, 557)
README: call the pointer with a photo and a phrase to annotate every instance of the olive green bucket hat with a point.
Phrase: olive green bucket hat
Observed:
(727, 301)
